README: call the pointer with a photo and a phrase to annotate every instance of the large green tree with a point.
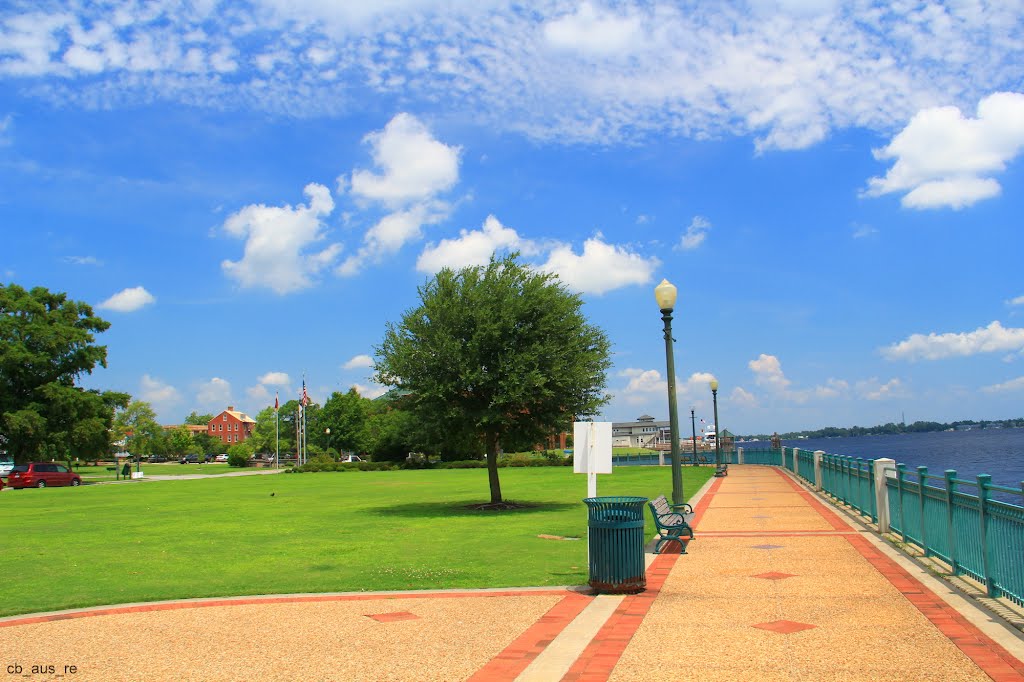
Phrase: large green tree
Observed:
(345, 414)
(496, 352)
(47, 343)
(197, 419)
(137, 422)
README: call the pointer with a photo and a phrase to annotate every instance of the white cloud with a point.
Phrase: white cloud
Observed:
(601, 268)
(83, 260)
(862, 231)
(157, 392)
(644, 381)
(6, 124)
(594, 31)
(372, 391)
(473, 247)
(275, 379)
(944, 160)
(414, 165)
(644, 384)
(258, 393)
(742, 397)
(1016, 301)
(358, 361)
(1006, 387)
(991, 339)
(695, 234)
(873, 389)
(415, 169)
(278, 243)
(788, 72)
(215, 392)
(128, 300)
(768, 372)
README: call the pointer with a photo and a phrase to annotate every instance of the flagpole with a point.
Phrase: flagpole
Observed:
(277, 433)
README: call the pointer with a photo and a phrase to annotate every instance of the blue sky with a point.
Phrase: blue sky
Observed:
(249, 192)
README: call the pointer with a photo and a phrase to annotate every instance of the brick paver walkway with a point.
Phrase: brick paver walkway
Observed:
(776, 586)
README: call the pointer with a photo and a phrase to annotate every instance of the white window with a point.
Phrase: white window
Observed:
(224, 417)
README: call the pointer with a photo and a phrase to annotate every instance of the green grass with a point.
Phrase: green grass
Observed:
(91, 474)
(72, 547)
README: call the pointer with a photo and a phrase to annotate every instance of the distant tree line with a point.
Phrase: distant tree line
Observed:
(893, 428)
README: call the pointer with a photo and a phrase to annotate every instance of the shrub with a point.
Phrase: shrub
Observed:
(238, 455)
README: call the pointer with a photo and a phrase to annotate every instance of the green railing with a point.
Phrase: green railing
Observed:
(959, 522)
(762, 456)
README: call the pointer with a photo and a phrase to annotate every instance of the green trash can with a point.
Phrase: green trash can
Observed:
(616, 531)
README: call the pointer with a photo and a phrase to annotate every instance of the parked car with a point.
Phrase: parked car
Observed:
(190, 459)
(5, 466)
(41, 475)
(221, 458)
(154, 459)
(351, 458)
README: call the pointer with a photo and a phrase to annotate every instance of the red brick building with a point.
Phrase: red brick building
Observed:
(231, 427)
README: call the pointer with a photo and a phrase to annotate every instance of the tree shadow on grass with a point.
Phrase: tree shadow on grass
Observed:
(448, 509)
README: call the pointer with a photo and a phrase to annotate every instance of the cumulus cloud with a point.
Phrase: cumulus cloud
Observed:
(1006, 387)
(280, 241)
(215, 392)
(275, 379)
(873, 389)
(601, 268)
(1019, 300)
(991, 339)
(645, 383)
(413, 165)
(358, 361)
(742, 397)
(945, 160)
(154, 391)
(695, 234)
(414, 169)
(473, 247)
(768, 372)
(128, 300)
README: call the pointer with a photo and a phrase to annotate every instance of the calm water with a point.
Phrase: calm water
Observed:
(997, 452)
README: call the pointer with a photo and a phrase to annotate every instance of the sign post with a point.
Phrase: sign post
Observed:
(592, 451)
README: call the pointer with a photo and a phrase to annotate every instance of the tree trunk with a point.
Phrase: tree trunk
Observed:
(492, 467)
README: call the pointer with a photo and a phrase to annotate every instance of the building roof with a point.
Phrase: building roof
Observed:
(240, 416)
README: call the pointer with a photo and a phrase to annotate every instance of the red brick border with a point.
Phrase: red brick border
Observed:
(601, 656)
(993, 659)
(524, 649)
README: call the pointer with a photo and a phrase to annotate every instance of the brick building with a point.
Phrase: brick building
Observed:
(231, 427)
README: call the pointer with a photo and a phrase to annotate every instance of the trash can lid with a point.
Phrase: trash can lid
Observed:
(621, 499)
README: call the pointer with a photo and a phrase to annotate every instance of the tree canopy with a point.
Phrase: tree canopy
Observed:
(46, 345)
(494, 353)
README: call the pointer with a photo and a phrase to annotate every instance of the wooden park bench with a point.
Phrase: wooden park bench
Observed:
(671, 523)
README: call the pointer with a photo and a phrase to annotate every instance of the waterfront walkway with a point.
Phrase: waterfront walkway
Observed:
(777, 586)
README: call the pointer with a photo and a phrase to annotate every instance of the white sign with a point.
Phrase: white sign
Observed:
(592, 451)
(138, 474)
(592, 447)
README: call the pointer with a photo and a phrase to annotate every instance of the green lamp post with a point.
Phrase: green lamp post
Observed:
(720, 467)
(665, 295)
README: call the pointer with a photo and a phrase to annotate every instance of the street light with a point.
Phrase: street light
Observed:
(693, 436)
(665, 295)
(720, 468)
(327, 432)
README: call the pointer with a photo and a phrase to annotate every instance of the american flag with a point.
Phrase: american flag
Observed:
(305, 396)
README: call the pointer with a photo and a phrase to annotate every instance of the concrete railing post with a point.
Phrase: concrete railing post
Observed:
(883, 469)
(818, 454)
(661, 458)
(739, 455)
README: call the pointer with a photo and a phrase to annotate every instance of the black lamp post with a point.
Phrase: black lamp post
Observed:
(693, 436)
(720, 468)
(665, 295)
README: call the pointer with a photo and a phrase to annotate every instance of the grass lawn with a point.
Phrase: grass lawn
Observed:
(285, 533)
(92, 474)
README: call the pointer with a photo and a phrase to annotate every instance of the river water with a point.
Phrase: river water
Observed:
(997, 452)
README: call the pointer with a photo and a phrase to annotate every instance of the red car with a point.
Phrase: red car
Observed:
(41, 475)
